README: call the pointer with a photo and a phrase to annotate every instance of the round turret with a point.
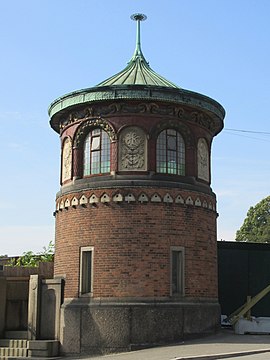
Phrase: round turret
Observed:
(135, 215)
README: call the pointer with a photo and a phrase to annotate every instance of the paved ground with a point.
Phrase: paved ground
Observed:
(261, 356)
(223, 345)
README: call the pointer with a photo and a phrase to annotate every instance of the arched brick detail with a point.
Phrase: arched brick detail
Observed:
(87, 125)
(176, 125)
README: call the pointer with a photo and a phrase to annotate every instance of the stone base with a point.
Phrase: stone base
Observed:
(107, 327)
(43, 348)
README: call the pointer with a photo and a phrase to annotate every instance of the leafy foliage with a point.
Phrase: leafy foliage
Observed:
(29, 259)
(256, 226)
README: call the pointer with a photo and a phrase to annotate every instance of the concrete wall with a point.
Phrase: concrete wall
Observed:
(14, 294)
(45, 297)
(16, 304)
(106, 327)
(50, 303)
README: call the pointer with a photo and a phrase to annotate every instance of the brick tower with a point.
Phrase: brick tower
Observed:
(135, 215)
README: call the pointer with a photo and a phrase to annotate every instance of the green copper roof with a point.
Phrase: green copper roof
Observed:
(137, 82)
(138, 71)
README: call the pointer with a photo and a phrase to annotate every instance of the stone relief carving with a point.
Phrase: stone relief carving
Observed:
(162, 110)
(202, 120)
(136, 108)
(203, 160)
(66, 160)
(132, 149)
(100, 110)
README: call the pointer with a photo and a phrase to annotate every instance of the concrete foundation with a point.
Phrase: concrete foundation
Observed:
(105, 327)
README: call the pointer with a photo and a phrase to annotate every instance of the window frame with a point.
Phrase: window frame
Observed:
(181, 274)
(83, 250)
(99, 152)
(165, 151)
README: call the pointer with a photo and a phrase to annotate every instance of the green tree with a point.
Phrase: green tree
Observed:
(29, 259)
(256, 226)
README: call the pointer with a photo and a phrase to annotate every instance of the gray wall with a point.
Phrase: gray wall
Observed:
(104, 328)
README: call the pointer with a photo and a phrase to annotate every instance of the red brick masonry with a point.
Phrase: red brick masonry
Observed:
(132, 243)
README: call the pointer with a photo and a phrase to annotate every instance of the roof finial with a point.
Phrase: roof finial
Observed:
(138, 18)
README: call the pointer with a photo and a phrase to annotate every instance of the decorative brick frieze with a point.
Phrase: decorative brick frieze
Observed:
(136, 197)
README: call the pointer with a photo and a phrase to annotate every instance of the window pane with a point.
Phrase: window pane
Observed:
(95, 143)
(96, 131)
(86, 272)
(171, 142)
(177, 272)
(96, 153)
(86, 163)
(170, 153)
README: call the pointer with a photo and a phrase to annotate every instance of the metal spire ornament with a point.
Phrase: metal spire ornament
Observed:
(137, 71)
(138, 18)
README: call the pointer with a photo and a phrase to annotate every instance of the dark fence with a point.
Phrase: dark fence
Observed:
(243, 269)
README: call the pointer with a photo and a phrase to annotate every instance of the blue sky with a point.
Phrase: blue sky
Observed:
(49, 48)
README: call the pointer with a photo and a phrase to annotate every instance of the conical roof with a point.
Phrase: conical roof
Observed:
(138, 71)
(138, 82)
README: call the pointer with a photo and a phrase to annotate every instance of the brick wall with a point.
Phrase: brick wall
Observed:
(152, 125)
(132, 244)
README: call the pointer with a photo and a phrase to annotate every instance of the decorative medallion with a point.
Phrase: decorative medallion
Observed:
(132, 149)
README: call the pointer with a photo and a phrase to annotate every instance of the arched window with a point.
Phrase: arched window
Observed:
(170, 153)
(96, 158)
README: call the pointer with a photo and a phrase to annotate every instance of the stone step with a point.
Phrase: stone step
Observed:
(13, 343)
(6, 352)
(15, 334)
(16, 348)
(11, 349)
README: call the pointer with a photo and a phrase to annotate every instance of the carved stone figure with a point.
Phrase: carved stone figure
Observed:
(132, 149)
(203, 160)
(66, 160)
